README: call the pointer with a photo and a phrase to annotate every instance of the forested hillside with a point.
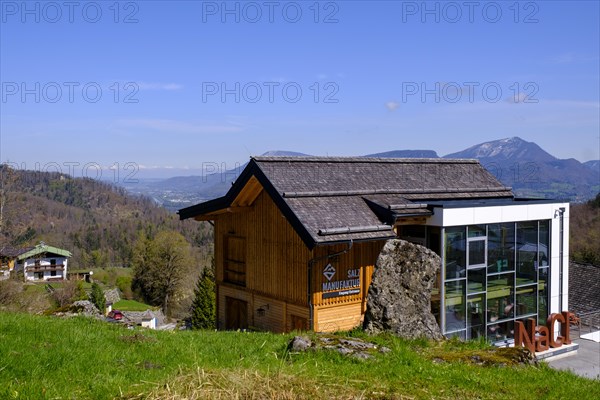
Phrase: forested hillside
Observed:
(98, 222)
(585, 232)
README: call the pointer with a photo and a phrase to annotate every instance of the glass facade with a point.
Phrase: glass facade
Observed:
(493, 275)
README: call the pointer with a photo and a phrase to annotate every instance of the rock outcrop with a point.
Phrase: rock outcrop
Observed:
(85, 307)
(399, 298)
(351, 347)
(112, 295)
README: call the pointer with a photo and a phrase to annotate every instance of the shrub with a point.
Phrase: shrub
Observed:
(69, 292)
(124, 285)
(10, 290)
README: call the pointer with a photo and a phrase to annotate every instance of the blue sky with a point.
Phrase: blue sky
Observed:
(182, 84)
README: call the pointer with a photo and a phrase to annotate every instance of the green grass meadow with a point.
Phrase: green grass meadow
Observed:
(131, 305)
(78, 358)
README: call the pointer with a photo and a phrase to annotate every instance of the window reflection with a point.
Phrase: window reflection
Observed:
(500, 297)
(476, 280)
(477, 252)
(527, 250)
(476, 230)
(544, 243)
(543, 289)
(501, 331)
(527, 300)
(455, 252)
(501, 252)
(455, 305)
(476, 316)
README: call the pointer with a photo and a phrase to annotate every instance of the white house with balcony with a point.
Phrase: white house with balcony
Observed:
(43, 263)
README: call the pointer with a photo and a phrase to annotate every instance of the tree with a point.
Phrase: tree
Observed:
(204, 306)
(97, 297)
(7, 182)
(14, 228)
(584, 235)
(161, 267)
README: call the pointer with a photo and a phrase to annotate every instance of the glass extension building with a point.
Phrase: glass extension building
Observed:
(505, 261)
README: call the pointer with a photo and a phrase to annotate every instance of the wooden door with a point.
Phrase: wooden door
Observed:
(236, 314)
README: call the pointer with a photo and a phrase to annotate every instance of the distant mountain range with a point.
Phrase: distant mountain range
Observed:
(522, 165)
(406, 154)
(533, 172)
(593, 164)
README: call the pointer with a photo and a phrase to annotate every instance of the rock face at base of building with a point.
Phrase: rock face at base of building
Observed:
(399, 297)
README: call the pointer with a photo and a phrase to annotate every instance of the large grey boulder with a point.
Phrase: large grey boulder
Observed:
(112, 296)
(399, 298)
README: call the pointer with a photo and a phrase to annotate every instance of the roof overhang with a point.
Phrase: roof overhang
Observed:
(44, 249)
(244, 191)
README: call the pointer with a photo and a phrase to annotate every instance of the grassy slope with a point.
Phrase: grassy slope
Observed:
(46, 357)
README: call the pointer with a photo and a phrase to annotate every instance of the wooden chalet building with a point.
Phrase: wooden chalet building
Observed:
(297, 238)
(43, 263)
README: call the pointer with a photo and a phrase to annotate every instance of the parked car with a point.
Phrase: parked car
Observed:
(115, 314)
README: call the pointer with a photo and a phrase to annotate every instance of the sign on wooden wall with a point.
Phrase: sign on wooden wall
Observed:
(337, 284)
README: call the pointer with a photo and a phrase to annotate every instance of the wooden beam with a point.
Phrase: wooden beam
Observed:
(238, 209)
(411, 220)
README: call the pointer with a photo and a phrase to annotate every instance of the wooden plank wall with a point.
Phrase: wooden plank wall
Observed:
(341, 317)
(276, 265)
(276, 257)
(277, 316)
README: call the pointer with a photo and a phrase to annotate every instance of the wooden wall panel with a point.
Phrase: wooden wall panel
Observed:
(277, 315)
(274, 314)
(276, 257)
(294, 311)
(338, 318)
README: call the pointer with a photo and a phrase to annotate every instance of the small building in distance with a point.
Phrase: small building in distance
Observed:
(8, 256)
(297, 238)
(43, 263)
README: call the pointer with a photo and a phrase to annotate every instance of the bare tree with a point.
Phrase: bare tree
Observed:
(162, 266)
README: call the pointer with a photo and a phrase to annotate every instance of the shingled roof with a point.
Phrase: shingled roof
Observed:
(335, 199)
(584, 288)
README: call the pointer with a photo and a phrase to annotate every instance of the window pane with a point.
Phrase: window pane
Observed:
(455, 305)
(501, 331)
(526, 252)
(500, 297)
(455, 252)
(543, 296)
(476, 252)
(527, 300)
(476, 315)
(476, 280)
(501, 251)
(459, 334)
(476, 230)
(435, 298)
(544, 243)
